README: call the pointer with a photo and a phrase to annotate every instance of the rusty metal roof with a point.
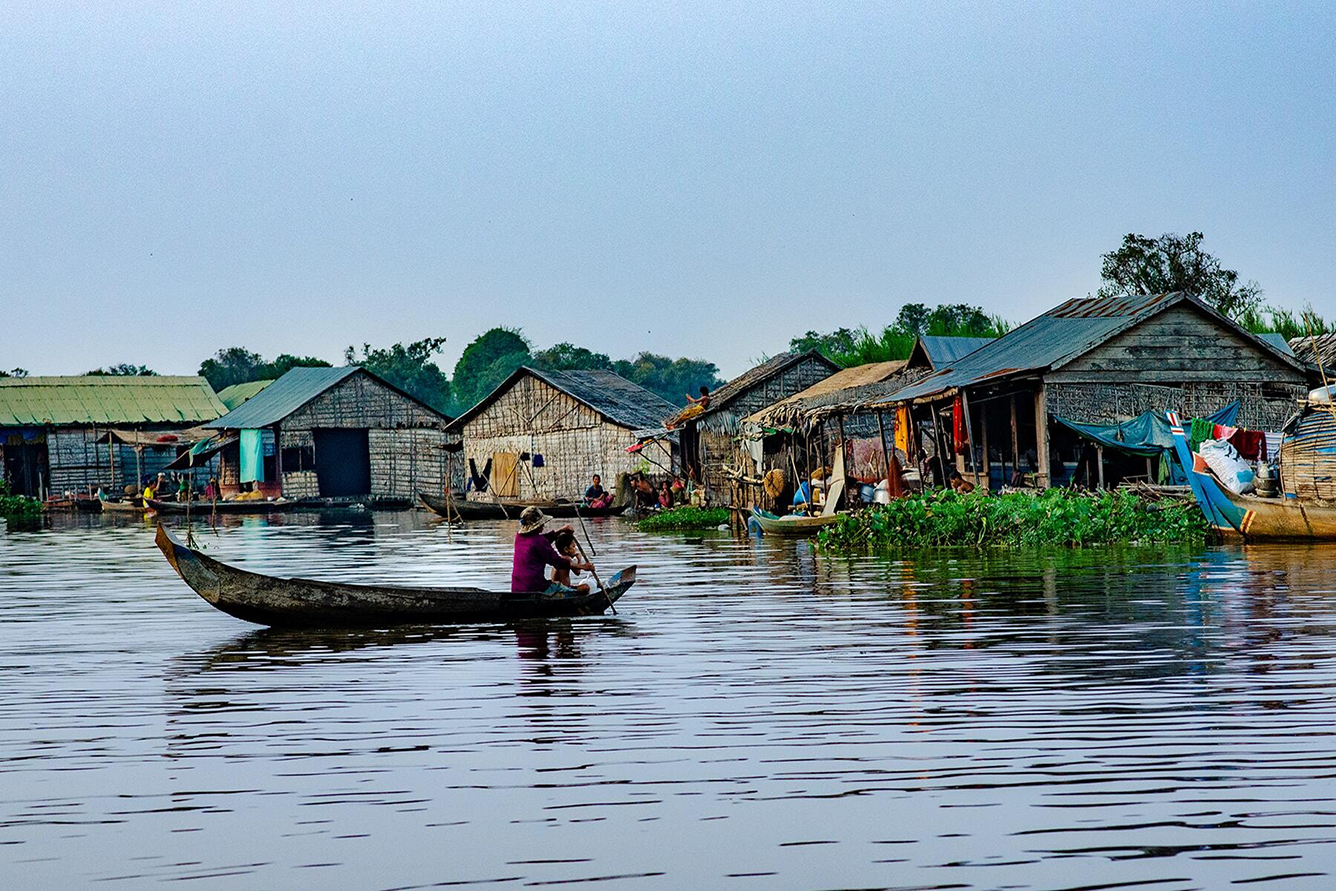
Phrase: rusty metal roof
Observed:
(106, 400)
(1055, 338)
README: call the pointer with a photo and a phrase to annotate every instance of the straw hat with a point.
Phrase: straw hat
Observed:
(531, 520)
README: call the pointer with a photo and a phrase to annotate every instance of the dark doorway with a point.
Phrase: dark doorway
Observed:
(342, 463)
(26, 468)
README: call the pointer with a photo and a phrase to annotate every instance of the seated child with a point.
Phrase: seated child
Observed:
(566, 547)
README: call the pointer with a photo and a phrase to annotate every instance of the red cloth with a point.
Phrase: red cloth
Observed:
(1251, 444)
(958, 418)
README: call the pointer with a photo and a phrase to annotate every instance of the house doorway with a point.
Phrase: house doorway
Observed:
(25, 466)
(342, 463)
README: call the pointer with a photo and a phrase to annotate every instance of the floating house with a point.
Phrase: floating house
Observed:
(333, 433)
(710, 438)
(541, 435)
(74, 434)
(1095, 361)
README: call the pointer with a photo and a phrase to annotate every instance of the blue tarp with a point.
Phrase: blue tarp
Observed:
(252, 456)
(1146, 435)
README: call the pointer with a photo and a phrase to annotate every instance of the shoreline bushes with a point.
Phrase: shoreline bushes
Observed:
(12, 505)
(1055, 517)
(680, 518)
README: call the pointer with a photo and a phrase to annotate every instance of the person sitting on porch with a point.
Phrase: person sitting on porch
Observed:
(534, 553)
(596, 496)
(567, 547)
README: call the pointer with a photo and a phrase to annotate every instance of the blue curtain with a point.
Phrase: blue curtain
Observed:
(252, 456)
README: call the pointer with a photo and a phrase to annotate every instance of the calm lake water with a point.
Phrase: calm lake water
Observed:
(757, 716)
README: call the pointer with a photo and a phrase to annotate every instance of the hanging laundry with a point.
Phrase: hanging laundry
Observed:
(1250, 444)
(962, 439)
(1273, 444)
(902, 429)
(1223, 433)
(1200, 431)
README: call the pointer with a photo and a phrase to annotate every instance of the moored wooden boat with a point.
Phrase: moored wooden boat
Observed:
(1251, 516)
(222, 507)
(774, 524)
(296, 602)
(127, 506)
(462, 509)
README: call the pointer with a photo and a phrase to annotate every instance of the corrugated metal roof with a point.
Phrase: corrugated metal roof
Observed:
(236, 394)
(942, 350)
(284, 396)
(85, 400)
(617, 399)
(1055, 338)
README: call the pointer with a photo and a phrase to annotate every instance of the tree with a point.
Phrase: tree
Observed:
(124, 369)
(860, 347)
(837, 342)
(408, 367)
(485, 363)
(671, 379)
(1176, 263)
(15, 372)
(569, 357)
(237, 365)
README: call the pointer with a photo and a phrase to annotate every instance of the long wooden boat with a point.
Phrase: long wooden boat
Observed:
(297, 602)
(135, 506)
(1251, 516)
(774, 524)
(462, 509)
(222, 507)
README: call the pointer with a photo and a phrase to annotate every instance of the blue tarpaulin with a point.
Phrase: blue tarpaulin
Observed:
(1146, 435)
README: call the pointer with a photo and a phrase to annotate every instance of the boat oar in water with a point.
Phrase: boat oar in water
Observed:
(594, 572)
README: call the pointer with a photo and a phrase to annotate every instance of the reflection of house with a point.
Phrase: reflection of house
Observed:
(710, 438)
(60, 434)
(236, 394)
(333, 433)
(542, 434)
(1097, 360)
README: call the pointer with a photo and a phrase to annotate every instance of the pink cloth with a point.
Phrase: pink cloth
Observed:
(533, 552)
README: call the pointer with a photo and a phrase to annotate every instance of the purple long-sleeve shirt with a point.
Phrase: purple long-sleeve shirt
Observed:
(533, 552)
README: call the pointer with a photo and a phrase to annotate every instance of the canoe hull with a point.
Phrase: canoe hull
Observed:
(222, 507)
(295, 602)
(461, 509)
(773, 524)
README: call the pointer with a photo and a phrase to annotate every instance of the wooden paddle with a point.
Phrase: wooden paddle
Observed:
(594, 572)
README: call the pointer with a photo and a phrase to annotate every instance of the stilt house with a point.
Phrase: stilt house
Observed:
(1094, 360)
(334, 433)
(541, 435)
(73, 434)
(711, 438)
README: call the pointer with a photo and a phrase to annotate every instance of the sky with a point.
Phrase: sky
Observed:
(705, 179)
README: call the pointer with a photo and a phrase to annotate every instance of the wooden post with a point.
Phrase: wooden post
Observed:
(885, 453)
(983, 444)
(844, 448)
(1015, 439)
(937, 441)
(1099, 459)
(111, 457)
(969, 435)
(1044, 479)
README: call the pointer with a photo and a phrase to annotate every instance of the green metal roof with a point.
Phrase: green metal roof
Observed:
(74, 401)
(238, 393)
(292, 391)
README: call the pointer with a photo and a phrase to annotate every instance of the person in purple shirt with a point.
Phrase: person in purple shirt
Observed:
(534, 553)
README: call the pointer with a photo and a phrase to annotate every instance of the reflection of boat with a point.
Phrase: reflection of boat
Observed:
(462, 509)
(774, 524)
(267, 600)
(1295, 514)
(221, 507)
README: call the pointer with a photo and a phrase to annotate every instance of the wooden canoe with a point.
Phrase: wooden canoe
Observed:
(1250, 516)
(773, 524)
(223, 507)
(126, 507)
(296, 602)
(461, 509)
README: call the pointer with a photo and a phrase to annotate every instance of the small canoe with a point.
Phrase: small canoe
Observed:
(462, 509)
(125, 507)
(297, 602)
(222, 507)
(774, 524)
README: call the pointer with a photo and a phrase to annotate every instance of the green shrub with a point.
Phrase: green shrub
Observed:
(685, 518)
(1054, 517)
(12, 505)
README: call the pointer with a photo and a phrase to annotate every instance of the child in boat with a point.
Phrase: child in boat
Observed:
(567, 547)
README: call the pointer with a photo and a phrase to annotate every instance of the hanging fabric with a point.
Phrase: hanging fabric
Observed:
(252, 456)
(902, 429)
(958, 423)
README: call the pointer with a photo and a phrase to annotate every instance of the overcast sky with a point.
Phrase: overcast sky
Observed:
(700, 179)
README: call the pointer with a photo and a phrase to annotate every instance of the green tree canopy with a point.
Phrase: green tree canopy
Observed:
(569, 357)
(15, 372)
(124, 369)
(859, 346)
(1172, 262)
(409, 367)
(237, 365)
(485, 363)
(671, 379)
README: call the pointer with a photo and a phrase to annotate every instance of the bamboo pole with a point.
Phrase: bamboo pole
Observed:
(885, 453)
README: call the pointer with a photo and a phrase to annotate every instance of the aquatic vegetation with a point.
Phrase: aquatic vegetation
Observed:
(1055, 517)
(12, 505)
(685, 518)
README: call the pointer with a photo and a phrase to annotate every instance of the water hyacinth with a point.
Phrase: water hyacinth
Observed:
(17, 505)
(1059, 517)
(680, 518)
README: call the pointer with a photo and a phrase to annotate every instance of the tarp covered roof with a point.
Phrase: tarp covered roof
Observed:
(236, 394)
(292, 391)
(615, 398)
(110, 399)
(1055, 338)
(1146, 435)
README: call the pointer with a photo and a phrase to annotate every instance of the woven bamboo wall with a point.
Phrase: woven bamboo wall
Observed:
(1262, 406)
(76, 461)
(1308, 458)
(574, 440)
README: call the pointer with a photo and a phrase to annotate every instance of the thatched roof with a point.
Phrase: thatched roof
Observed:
(836, 390)
(740, 385)
(616, 399)
(1305, 351)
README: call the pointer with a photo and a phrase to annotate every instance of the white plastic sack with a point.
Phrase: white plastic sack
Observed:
(1232, 471)
(1322, 394)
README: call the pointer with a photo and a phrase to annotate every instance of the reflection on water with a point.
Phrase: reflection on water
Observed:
(757, 715)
